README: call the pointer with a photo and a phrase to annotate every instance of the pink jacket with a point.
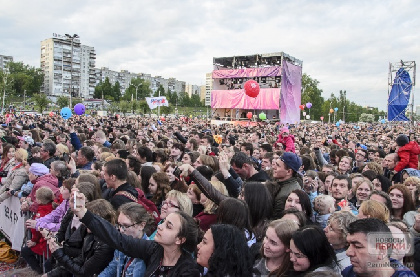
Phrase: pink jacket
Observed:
(288, 142)
(47, 180)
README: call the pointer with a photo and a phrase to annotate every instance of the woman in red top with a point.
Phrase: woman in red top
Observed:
(208, 216)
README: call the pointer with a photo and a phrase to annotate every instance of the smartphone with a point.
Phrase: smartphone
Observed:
(74, 197)
(66, 157)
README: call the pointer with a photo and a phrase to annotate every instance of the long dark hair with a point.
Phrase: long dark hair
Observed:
(260, 206)
(313, 243)
(231, 256)
(305, 202)
(234, 212)
(145, 173)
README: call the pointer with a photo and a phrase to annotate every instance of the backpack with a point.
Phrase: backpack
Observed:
(7, 254)
(142, 200)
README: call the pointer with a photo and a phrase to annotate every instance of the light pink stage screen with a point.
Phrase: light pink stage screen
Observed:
(291, 84)
(247, 72)
(267, 99)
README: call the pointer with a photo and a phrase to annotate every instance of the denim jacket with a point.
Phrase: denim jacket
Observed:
(137, 268)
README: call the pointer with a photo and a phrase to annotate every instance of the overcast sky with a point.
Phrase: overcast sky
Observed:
(345, 45)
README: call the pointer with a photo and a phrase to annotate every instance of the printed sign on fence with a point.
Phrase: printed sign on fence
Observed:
(12, 222)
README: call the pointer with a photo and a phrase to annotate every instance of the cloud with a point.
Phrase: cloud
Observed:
(345, 45)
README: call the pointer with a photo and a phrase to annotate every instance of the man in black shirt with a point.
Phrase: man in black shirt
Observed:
(115, 175)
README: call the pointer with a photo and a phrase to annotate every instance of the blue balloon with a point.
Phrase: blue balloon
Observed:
(335, 109)
(382, 121)
(337, 124)
(66, 113)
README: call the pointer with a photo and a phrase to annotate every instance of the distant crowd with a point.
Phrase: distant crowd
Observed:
(131, 196)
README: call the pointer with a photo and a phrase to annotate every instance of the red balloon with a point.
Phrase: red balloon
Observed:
(249, 115)
(252, 88)
(162, 118)
(302, 107)
(51, 114)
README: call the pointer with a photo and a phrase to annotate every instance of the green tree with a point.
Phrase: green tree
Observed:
(26, 79)
(312, 94)
(195, 100)
(113, 107)
(116, 91)
(184, 99)
(367, 117)
(105, 89)
(172, 97)
(62, 101)
(41, 101)
(143, 89)
(143, 107)
(124, 106)
(160, 91)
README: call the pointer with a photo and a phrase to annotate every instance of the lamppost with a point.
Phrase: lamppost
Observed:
(71, 64)
(5, 75)
(137, 87)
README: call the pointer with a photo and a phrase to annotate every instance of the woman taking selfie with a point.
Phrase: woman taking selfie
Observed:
(168, 255)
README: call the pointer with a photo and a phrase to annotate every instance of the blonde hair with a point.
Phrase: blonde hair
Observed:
(410, 180)
(377, 168)
(184, 202)
(367, 181)
(104, 155)
(342, 219)
(323, 204)
(209, 206)
(375, 209)
(21, 155)
(44, 195)
(62, 148)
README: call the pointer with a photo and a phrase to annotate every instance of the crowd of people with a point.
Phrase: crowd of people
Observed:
(130, 196)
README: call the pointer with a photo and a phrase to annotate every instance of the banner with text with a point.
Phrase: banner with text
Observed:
(12, 222)
(155, 102)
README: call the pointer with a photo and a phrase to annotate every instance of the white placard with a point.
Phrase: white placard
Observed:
(12, 222)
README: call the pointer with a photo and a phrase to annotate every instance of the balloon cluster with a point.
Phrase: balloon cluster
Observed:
(66, 113)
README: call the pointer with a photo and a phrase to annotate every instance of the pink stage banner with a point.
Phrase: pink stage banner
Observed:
(247, 72)
(268, 99)
(291, 85)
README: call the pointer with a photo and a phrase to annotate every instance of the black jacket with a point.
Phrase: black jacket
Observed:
(72, 240)
(149, 251)
(118, 200)
(94, 258)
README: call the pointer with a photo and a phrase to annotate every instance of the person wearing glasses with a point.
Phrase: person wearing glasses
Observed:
(310, 251)
(336, 232)
(48, 150)
(133, 220)
(175, 201)
(170, 254)
(360, 160)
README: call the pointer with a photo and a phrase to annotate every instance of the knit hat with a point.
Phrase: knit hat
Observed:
(402, 140)
(27, 139)
(38, 169)
(284, 130)
(292, 160)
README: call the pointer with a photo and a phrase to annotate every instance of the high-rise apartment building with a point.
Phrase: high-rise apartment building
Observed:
(69, 67)
(209, 87)
(4, 60)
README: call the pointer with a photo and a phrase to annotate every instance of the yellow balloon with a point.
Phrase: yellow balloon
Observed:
(331, 110)
(190, 115)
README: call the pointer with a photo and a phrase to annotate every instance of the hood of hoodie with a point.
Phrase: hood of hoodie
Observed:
(412, 147)
(48, 178)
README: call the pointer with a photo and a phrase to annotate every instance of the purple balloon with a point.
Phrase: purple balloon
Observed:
(79, 109)
(308, 105)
